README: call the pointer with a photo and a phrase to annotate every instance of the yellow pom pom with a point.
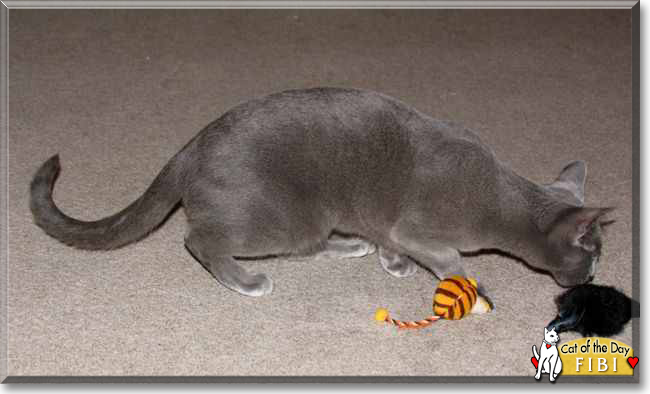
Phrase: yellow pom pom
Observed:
(381, 314)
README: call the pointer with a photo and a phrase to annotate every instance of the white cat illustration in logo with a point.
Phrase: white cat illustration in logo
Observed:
(548, 360)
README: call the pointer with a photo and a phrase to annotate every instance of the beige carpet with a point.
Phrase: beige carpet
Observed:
(117, 93)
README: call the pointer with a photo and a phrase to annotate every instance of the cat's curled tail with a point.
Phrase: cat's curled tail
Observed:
(129, 225)
(535, 352)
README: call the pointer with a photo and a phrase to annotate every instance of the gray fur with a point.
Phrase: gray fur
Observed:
(396, 264)
(277, 175)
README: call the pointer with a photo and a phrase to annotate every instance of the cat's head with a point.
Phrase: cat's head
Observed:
(574, 245)
(572, 232)
(551, 336)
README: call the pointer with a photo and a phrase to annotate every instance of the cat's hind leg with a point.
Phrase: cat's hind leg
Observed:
(206, 248)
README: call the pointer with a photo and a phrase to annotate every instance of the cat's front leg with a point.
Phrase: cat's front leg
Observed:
(339, 247)
(445, 262)
(344, 247)
(442, 260)
(558, 366)
(396, 264)
(551, 368)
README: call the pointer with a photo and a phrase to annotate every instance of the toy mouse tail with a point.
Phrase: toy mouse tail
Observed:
(381, 315)
(413, 325)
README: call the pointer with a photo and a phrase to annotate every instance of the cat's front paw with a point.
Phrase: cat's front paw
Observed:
(400, 266)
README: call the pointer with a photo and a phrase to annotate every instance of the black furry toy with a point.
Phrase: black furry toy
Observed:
(594, 310)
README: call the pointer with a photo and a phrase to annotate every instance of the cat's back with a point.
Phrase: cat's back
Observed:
(344, 149)
(364, 132)
(302, 110)
(307, 128)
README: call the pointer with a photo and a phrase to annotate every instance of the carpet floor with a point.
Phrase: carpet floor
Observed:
(117, 92)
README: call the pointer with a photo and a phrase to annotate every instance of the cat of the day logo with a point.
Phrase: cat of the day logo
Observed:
(584, 356)
(548, 359)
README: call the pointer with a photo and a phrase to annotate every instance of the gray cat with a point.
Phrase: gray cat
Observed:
(334, 172)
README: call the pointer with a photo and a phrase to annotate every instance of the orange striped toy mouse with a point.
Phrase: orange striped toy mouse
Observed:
(455, 298)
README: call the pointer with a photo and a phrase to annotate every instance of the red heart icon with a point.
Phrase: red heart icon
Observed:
(632, 361)
(535, 362)
(548, 346)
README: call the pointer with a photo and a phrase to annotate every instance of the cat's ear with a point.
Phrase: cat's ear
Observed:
(545, 331)
(576, 225)
(572, 179)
